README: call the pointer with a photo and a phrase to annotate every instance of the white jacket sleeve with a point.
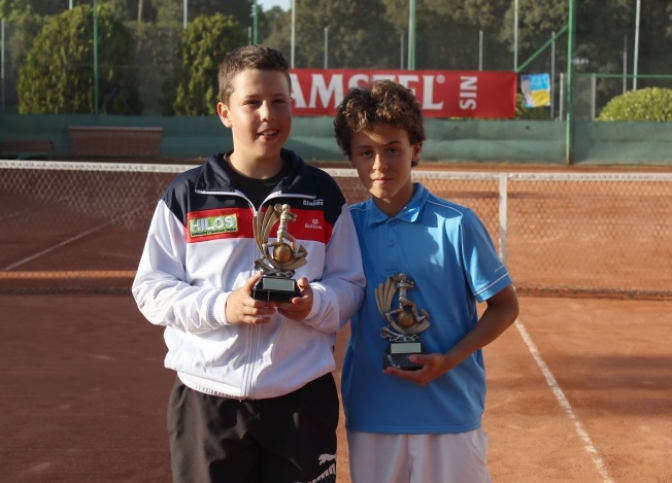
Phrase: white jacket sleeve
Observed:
(161, 289)
(340, 292)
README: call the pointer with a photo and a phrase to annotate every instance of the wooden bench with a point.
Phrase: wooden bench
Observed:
(115, 142)
(26, 149)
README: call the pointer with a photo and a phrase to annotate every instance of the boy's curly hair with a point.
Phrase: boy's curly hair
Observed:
(384, 102)
(256, 57)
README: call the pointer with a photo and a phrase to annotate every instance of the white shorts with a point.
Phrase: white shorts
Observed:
(418, 458)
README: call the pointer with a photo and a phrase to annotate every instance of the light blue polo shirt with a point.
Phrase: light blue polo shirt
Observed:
(447, 252)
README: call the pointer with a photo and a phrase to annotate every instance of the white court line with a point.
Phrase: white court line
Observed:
(54, 247)
(14, 215)
(64, 242)
(564, 403)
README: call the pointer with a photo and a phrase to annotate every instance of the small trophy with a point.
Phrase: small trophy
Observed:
(280, 258)
(404, 323)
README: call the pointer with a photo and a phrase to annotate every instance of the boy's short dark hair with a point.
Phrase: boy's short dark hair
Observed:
(384, 102)
(257, 57)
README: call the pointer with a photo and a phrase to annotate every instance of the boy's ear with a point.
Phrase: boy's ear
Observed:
(417, 149)
(223, 113)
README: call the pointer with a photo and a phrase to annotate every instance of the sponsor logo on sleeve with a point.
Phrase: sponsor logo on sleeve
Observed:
(314, 224)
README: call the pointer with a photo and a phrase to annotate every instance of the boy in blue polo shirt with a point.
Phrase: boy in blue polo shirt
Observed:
(413, 382)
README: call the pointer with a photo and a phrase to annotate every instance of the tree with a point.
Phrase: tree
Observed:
(205, 43)
(10, 8)
(57, 75)
(602, 29)
(275, 30)
(240, 10)
(359, 37)
(655, 50)
(26, 19)
(173, 10)
(447, 31)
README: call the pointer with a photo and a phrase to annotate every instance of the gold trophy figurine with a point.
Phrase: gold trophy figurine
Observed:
(280, 258)
(404, 323)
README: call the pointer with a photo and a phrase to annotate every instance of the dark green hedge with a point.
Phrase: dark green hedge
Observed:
(649, 104)
(57, 75)
(194, 89)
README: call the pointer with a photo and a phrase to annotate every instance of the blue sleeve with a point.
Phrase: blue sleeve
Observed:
(484, 271)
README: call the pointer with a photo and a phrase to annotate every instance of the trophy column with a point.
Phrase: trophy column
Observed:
(404, 323)
(279, 259)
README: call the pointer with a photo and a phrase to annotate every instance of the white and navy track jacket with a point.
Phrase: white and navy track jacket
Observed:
(200, 247)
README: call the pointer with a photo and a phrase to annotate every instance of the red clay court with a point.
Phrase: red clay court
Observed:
(579, 391)
(580, 388)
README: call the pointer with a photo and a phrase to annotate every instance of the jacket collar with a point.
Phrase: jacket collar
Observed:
(409, 214)
(213, 176)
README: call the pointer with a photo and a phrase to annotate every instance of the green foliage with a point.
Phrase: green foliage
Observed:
(361, 34)
(275, 30)
(11, 9)
(169, 12)
(206, 41)
(20, 38)
(358, 35)
(57, 75)
(649, 104)
(459, 22)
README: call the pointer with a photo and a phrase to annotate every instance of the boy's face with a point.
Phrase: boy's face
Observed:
(259, 113)
(383, 160)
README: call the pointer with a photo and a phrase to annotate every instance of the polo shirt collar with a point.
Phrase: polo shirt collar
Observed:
(410, 213)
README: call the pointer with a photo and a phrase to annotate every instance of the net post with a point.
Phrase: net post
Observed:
(503, 202)
(571, 51)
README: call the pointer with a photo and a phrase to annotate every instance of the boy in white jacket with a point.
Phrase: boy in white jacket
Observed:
(254, 399)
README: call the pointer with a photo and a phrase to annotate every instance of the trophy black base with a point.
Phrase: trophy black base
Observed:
(398, 354)
(279, 289)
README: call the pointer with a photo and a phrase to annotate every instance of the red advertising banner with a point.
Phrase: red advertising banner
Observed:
(442, 93)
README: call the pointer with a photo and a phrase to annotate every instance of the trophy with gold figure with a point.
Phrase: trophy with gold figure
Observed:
(280, 258)
(405, 323)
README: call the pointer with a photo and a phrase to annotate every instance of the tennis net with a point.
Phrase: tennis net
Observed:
(81, 226)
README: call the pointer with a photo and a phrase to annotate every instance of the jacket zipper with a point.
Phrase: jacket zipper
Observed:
(252, 369)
